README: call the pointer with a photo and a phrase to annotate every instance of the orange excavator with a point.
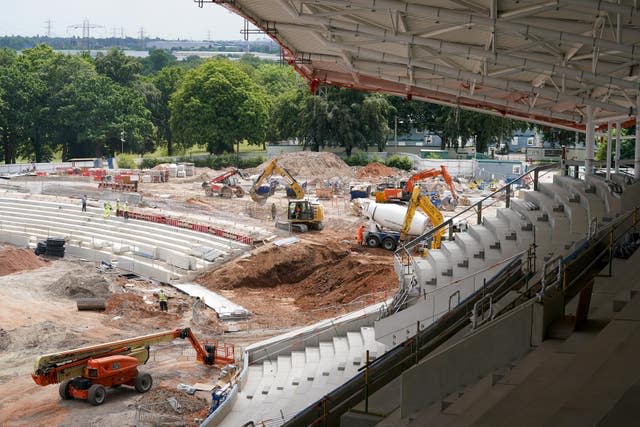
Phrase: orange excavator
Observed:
(404, 194)
(85, 373)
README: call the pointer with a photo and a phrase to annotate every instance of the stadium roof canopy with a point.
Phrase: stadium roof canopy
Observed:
(555, 62)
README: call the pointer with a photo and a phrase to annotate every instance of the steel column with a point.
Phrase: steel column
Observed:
(636, 162)
(609, 141)
(589, 143)
(618, 142)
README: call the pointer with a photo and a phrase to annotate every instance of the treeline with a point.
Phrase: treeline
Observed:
(132, 43)
(87, 107)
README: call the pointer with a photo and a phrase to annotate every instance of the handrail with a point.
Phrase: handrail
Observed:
(449, 221)
(400, 358)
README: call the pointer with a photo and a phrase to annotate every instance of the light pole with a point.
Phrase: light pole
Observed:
(395, 133)
(122, 142)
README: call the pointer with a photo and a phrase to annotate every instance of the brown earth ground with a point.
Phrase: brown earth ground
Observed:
(323, 274)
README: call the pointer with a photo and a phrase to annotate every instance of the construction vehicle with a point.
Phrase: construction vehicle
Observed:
(303, 213)
(85, 373)
(422, 201)
(388, 221)
(225, 185)
(404, 193)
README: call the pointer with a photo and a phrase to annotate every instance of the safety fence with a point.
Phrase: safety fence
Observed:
(180, 223)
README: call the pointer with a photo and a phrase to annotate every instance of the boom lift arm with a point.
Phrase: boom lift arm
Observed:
(274, 167)
(429, 173)
(419, 200)
(58, 367)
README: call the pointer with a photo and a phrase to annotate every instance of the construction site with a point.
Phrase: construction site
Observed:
(281, 280)
(262, 302)
(307, 292)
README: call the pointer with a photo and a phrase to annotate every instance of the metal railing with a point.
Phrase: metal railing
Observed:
(478, 206)
(582, 263)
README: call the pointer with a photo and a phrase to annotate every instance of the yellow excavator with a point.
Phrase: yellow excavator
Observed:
(422, 201)
(303, 213)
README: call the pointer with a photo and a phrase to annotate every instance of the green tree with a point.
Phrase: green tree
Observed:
(287, 114)
(217, 104)
(559, 136)
(276, 79)
(118, 67)
(375, 111)
(157, 60)
(627, 147)
(315, 126)
(166, 81)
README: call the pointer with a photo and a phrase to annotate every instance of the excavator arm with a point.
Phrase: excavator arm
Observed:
(419, 200)
(272, 168)
(430, 173)
(56, 367)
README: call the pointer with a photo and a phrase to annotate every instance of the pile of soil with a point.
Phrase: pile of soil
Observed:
(311, 164)
(187, 406)
(296, 283)
(15, 260)
(375, 170)
(79, 284)
(127, 304)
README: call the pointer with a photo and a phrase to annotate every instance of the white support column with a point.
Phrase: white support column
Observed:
(618, 142)
(636, 161)
(609, 142)
(589, 143)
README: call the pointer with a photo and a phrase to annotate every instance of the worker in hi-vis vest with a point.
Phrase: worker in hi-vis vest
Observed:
(162, 297)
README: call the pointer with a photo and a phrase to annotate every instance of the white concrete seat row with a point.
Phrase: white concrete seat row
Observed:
(180, 235)
(289, 383)
(155, 250)
(296, 379)
(556, 218)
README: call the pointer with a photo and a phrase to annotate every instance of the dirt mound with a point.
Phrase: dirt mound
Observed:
(294, 284)
(160, 399)
(309, 164)
(127, 304)
(273, 266)
(375, 170)
(14, 260)
(79, 284)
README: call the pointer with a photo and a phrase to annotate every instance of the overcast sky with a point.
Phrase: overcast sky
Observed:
(170, 19)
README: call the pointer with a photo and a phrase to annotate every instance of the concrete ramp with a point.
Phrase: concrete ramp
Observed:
(226, 309)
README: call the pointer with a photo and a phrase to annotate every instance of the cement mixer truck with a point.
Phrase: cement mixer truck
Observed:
(385, 223)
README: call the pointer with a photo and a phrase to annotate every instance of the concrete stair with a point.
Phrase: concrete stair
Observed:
(154, 250)
(555, 218)
(589, 378)
(291, 382)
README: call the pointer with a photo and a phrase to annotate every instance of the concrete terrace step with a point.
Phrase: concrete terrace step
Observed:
(154, 250)
(169, 232)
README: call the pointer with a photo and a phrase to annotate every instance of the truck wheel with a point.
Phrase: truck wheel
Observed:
(143, 383)
(389, 243)
(373, 242)
(97, 395)
(226, 192)
(239, 192)
(64, 390)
